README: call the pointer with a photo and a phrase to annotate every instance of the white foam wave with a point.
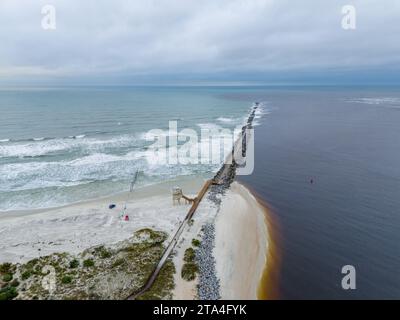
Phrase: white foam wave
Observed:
(375, 101)
(22, 177)
(151, 135)
(226, 120)
(101, 158)
(209, 126)
(45, 147)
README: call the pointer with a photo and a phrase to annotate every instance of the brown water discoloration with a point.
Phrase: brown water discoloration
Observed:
(269, 283)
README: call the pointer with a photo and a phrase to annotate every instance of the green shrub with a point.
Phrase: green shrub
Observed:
(196, 243)
(7, 277)
(74, 264)
(189, 271)
(8, 293)
(6, 267)
(66, 279)
(104, 254)
(190, 255)
(25, 275)
(31, 263)
(88, 263)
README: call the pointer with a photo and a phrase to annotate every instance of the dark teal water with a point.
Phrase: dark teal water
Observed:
(348, 141)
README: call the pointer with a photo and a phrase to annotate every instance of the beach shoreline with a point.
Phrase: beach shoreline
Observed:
(241, 250)
(190, 183)
(73, 228)
(77, 227)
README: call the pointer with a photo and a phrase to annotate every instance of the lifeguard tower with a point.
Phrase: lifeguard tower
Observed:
(177, 195)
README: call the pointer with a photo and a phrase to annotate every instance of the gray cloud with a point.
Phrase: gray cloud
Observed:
(127, 40)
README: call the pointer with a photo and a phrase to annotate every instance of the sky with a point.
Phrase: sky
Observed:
(199, 41)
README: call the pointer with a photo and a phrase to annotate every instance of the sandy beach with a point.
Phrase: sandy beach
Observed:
(240, 232)
(241, 244)
(29, 234)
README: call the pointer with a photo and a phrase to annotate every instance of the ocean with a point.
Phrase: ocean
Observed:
(64, 145)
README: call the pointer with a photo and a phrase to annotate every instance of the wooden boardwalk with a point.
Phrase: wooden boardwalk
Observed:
(173, 242)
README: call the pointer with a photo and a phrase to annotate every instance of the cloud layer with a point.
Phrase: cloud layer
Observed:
(126, 41)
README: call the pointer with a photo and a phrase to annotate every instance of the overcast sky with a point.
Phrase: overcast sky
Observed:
(172, 41)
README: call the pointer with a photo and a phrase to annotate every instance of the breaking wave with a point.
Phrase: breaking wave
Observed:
(44, 171)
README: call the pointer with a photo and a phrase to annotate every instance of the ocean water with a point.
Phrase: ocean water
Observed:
(63, 145)
(347, 140)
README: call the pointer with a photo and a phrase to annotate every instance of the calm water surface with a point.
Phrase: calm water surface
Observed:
(348, 142)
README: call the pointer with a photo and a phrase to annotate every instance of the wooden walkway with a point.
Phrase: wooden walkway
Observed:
(173, 242)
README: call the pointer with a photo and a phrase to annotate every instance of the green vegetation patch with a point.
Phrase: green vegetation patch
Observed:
(196, 243)
(96, 273)
(7, 277)
(190, 255)
(66, 279)
(88, 263)
(190, 268)
(154, 236)
(7, 268)
(8, 293)
(102, 252)
(26, 274)
(74, 264)
(163, 285)
(189, 271)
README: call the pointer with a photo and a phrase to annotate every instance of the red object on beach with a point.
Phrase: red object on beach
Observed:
(126, 218)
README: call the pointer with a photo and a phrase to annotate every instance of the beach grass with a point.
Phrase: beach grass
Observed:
(97, 273)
